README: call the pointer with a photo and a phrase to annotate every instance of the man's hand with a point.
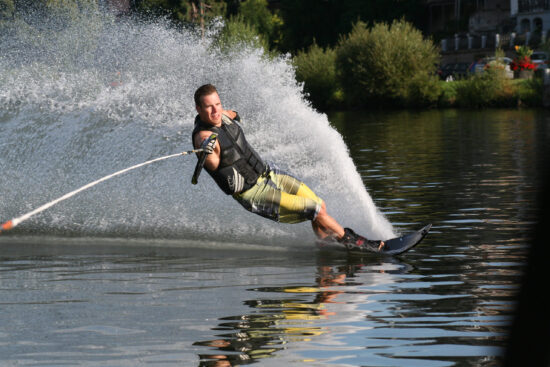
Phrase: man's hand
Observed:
(208, 145)
(230, 114)
(213, 156)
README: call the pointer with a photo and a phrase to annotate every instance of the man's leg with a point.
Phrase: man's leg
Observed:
(324, 225)
(284, 198)
(293, 191)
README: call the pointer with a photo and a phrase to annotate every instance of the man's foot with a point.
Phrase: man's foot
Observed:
(353, 241)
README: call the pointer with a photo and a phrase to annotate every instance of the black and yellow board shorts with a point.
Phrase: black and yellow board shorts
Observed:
(281, 197)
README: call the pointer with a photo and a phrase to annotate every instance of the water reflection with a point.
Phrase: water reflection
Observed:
(297, 314)
(430, 308)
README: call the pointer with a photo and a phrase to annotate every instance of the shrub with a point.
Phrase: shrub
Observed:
(388, 64)
(529, 91)
(448, 95)
(489, 89)
(317, 69)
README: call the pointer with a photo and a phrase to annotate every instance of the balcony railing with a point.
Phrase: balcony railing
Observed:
(461, 42)
(528, 6)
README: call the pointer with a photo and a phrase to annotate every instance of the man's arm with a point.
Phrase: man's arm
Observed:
(212, 160)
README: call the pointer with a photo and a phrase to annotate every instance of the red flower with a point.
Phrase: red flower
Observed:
(523, 63)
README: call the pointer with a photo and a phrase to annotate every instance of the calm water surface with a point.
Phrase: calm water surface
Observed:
(127, 302)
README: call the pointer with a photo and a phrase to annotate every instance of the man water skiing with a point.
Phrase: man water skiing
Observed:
(260, 188)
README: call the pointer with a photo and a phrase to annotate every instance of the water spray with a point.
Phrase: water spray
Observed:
(16, 221)
(57, 98)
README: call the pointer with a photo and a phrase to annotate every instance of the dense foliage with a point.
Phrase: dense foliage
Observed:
(256, 14)
(388, 64)
(491, 89)
(316, 67)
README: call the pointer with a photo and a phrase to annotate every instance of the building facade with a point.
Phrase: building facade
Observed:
(475, 17)
(532, 17)
(491, 16)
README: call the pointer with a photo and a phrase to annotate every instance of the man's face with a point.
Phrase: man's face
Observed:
(210, 110)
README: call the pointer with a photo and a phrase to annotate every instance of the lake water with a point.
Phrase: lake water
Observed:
(70, 297)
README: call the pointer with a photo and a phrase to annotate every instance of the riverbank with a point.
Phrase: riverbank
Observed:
(474, 92)
(479, 92)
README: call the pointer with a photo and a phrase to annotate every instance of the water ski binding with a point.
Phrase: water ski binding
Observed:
(394, 246)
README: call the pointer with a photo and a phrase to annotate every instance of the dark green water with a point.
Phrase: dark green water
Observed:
(126, 302)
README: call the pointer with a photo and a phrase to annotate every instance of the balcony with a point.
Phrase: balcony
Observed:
(531, 6)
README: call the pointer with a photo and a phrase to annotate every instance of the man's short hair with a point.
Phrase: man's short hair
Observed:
(204, 90)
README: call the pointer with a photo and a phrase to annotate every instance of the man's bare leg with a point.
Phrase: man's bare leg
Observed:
(325, 225)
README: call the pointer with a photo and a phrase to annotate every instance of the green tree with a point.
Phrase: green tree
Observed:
(388, 64)
(237, 34)
(257, 14)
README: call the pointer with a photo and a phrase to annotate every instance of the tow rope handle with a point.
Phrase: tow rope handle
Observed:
(202, 158)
